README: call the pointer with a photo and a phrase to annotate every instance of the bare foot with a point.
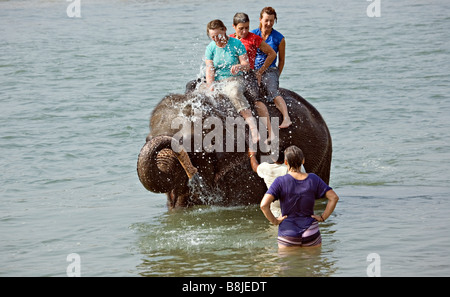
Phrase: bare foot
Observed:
(286, 123)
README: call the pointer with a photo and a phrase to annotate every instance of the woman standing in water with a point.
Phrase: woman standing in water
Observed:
(297, 192)
(226, 58)
(271, 76)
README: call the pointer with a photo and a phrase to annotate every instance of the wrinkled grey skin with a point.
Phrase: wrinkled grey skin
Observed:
(226, 178)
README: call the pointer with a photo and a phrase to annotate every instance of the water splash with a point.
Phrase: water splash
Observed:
(205, 193)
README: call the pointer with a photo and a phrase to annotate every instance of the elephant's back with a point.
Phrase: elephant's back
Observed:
(293, 99)
(310, 132)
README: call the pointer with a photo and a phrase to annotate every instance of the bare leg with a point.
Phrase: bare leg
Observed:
(281, 105)
(251, 121)
(261, 110)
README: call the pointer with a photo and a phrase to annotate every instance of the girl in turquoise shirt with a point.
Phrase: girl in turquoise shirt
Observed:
(225, 59)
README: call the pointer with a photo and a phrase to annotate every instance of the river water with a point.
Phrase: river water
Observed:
(76, 95)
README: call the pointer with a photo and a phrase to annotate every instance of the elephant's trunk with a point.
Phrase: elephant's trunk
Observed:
(185, 161)
(159, 167)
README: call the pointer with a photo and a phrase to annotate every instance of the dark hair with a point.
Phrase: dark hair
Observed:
(294, 157)
(240, 17)
(215, 24)
(270, 11)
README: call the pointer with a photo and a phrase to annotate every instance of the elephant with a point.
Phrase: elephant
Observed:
(193, 175)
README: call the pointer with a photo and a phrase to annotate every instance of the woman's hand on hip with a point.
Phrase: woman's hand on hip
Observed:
(279, 220)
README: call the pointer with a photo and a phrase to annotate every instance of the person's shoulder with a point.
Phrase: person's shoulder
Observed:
(277, 34)
(265, 164)
(240, 47)
(282, 165)
(256, 31)
(315, 178)
(283, 178)
(210, 49)
(211, 45)
(255, 38)
(252, 35)
(318, 184)
(262, 169)
(235, 42)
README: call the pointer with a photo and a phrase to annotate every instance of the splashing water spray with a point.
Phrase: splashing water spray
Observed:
(196, 184)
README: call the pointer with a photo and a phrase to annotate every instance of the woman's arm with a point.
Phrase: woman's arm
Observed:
(271, 55)
(253, 162)
(243, 65)
(210, 72)
(331, 204)
(281, 55)
(265, 208)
